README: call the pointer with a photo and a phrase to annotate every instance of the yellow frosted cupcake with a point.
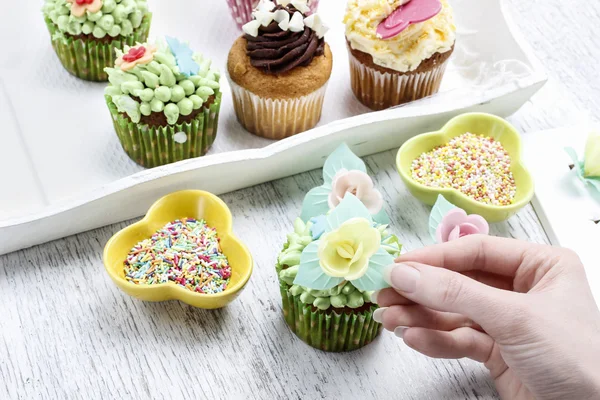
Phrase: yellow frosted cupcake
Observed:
(398, 49)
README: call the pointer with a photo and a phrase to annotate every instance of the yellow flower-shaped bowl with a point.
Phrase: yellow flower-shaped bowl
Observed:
(480, 124)
(191, 204)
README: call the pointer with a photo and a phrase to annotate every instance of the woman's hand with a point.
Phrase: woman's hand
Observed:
(525, 310)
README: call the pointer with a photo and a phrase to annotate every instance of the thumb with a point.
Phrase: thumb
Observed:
(448, 291)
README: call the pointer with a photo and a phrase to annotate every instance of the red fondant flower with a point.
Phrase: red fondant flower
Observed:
(136, 55)
(79, 7)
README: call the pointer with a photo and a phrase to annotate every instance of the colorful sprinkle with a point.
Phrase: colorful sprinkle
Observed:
(186, 252)
(475, 165)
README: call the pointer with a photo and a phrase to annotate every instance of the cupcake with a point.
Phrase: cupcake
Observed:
(241, 10)
(164, 100)
(279, 69)
(398, 49)
(85, 33)
(332, 262)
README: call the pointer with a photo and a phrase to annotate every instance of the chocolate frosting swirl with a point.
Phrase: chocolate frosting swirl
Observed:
(276, 51)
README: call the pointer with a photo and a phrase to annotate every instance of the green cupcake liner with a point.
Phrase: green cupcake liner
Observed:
(86, 59)
(327, 330)
(151, 146)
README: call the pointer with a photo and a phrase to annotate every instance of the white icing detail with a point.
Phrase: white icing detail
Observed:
(180, 137)
(264, 17)
(282, 17)
(251, 28)
(265, 5)
(297, 22)
(315, 23)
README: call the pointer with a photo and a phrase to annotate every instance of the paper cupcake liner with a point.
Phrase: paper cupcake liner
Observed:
(241, 10)
(151, 146)
(276, 118)
(327, 330)
(380, 91)
(86, 59)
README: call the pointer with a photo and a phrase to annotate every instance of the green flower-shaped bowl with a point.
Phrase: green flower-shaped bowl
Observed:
(480, 124)
(191, 204)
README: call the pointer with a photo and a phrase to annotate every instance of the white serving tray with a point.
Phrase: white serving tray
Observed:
(66, 173)
(565, 206)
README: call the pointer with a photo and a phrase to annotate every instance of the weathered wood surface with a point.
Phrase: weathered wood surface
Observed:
(67, 332)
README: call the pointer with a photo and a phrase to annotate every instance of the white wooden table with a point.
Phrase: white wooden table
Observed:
(67, 332)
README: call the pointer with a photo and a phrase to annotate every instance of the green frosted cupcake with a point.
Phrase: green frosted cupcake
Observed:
(85, 33)
(334, 260)
(164, 100)
(339, 318)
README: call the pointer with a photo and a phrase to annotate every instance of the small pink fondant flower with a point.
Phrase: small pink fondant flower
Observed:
(360, 185)
(79, 7)
(135, 56)
(457, 224)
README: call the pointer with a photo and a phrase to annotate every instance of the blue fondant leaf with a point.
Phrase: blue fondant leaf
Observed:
(440, 209)
(341, 158)
(315, 203)
(350, 207)
(381, 217)
(184, 57)
(318, 227)
(373, 278)
(310, 273)
(595, 183)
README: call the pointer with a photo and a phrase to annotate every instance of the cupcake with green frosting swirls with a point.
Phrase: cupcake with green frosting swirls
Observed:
(334, 259)
(85, 33)
(164, 100)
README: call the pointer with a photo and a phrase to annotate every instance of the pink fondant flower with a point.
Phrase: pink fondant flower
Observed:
(79, 7)
(135, 56)
(457, 224)
(360, 185)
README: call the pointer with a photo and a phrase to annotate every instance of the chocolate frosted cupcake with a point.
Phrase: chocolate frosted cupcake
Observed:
(164, 100)
(85, 33)
(279, 70)
(394, 60)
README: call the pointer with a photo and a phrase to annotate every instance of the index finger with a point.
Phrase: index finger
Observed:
(495, 255)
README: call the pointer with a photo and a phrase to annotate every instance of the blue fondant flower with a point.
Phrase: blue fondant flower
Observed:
(343, 173)
(184, 57)
(349, 249)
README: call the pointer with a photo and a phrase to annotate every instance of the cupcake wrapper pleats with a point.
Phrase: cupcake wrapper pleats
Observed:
(151, 146)
(328, 331)
(241, 10)
(380, 91)
(86, 59)
(277, 118)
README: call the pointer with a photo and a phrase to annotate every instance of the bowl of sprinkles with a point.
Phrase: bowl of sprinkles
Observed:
(183, 249)
(474, 161)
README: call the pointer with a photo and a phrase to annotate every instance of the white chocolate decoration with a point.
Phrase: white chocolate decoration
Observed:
(251, 28)
(265, 5)
(315, 23)
(264, 17)
(297, 22)
(282, 17)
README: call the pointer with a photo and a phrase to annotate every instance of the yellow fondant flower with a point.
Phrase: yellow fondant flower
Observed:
(592, 156)
(345, 252)
(79, 7)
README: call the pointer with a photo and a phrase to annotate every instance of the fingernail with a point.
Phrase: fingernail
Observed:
(378, 314)
(402, 277)
(374, 296)
(399, 331)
